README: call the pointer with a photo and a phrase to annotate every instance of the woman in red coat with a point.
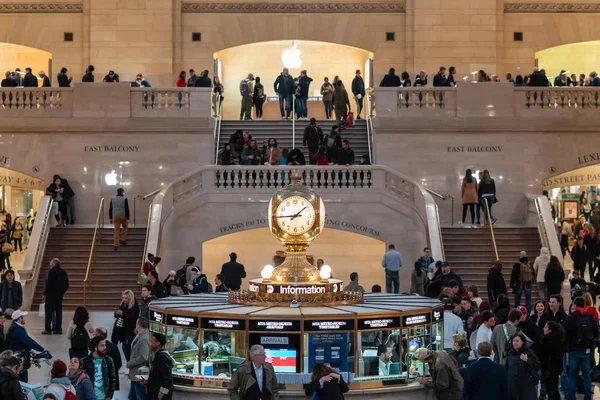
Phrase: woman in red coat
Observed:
(150, 265)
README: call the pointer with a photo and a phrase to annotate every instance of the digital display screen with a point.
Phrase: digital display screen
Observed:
(274, 326)
(283, 360)
(379, 323)
(157, 316)
(410, 320)
(227, 324)
(182, 320)
(329, 325)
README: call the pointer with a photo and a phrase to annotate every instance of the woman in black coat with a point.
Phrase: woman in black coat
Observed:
(554, 276)
(503, 309)
(328, 384)
(523, 368)
(551, 357)
(125, 319)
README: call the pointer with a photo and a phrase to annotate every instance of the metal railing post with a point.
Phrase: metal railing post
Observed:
(99, 224)
(293, 122)
(489, 220)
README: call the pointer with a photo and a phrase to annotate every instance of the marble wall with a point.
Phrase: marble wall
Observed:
(154, 37)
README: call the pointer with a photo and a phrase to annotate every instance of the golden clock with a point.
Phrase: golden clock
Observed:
(295, 215)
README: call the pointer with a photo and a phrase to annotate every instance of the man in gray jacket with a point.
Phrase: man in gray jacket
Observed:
(140, 353)
(119, 215)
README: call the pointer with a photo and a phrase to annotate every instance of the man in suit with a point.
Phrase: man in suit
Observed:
(484, 379)
(112, 351)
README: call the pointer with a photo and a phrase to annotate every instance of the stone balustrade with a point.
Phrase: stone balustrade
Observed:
(116, 100)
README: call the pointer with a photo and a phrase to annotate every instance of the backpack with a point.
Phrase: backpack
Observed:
(260, 91)
(180, 276)
(244, 87)
(473, 338)
(80, 339)
(526, 273)
(585, 331)
(330, 141)
(205, 286)
(69, 395)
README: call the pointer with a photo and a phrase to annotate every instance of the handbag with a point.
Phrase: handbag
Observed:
(42, 310)
(350, 119)
(495, 199)
(142, 278)
(7, 248)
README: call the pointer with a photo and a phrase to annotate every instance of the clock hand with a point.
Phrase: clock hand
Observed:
(285, 216)
(298, 213)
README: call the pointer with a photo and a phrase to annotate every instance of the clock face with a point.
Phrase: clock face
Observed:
(295, 215)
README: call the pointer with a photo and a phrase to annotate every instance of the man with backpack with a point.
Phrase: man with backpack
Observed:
(183, 277)
(313, 138)
(246, 91)
(521, 279)
(501, 336)
(582, 334)
(80, 338)
(333, 142)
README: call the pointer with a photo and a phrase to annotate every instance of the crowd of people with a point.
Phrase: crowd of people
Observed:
(330, 149)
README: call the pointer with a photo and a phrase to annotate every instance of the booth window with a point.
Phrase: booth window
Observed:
(369, 362)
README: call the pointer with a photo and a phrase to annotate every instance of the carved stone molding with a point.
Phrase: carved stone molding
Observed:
(552, 8)
(32, 8)
(297, 8)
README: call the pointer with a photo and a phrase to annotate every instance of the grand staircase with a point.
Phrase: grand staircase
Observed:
(470, 253)
(282, 132)
(110, 274)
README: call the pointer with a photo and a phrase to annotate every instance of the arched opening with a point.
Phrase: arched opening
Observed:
(345, 252)
(266, 60)
(13, 56)
(566, 191)
(578, 58)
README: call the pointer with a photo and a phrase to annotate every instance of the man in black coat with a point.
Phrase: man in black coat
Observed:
(345, 155)
(485, 379)
(8, 81)
(89, 75)
(112, 351)
(10, 388)
(440, 78)
(390, 80)
(284, 87)
(160, 380)
(495, 282)
(107, 368)
(538, 79)
(313, 138)
(358, 90)
(29, 80)
(159, 290)
(233, 272)
(203, 80)
(69, 196)
(57, 284)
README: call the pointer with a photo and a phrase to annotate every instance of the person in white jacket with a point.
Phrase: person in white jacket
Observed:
(60, 384)
(539, 266)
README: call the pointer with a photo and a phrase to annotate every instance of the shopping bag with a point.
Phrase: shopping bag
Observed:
(350, 120)
(42, 310)
(7, 248)
(142, 278)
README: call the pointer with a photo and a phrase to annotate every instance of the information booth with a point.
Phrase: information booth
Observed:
(209, 339)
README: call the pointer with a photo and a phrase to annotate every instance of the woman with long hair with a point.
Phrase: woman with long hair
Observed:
(327, 383)
(181, 82)
(473, 293)
(469, 195)
(78, 333)
(522, 366)
(259, 97)
(418, 278)
(226, 155)
(487, 192)
(321, 156)
(17, 234)
(551, 358)
(217, 96)
(55, 190)
(503, 309)
(538, 310)
(554, 277)
(539, 266)
(273, 155)
(125, 318)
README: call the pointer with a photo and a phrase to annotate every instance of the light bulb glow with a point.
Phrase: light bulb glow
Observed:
(267, 272)
(325, 272)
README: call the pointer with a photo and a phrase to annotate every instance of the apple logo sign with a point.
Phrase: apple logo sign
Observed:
(111, 178)
(270, 289)
(291, 57)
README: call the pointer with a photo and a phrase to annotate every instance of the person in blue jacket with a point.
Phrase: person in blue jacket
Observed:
(485, 379)
(19, 340)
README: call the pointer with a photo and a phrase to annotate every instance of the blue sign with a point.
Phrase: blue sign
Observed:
(328, 348)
